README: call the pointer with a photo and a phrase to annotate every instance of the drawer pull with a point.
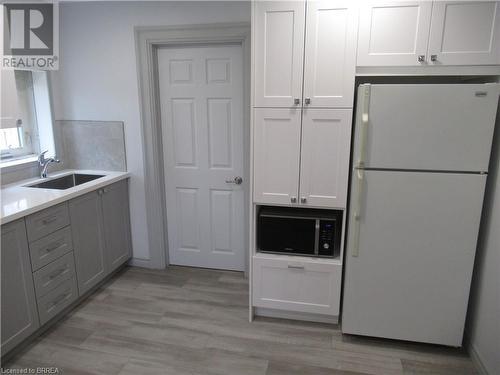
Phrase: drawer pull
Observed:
(60, 299)
(49, 220)
(54, 246)
(296, 267)
(58, 273)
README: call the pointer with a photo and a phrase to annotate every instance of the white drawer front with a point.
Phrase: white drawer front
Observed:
(53, 274)
(57, 300)
(297, 285)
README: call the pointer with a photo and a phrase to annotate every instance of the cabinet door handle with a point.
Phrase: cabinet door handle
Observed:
(307, 100)
(434, 58)
(60, 299)
(53, 247)
(303, 200)
(293, 199)
(57, 273)
(296, 267)
(421, 58)
(296, 101)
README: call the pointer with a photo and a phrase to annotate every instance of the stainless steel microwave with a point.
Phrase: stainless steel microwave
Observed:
(299, 231)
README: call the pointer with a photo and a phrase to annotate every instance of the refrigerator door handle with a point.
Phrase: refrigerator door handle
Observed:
(360, 176)
(363, 134)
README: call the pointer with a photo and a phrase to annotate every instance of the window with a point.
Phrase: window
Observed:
(18, 119)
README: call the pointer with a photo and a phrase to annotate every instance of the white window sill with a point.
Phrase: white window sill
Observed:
(20, 163)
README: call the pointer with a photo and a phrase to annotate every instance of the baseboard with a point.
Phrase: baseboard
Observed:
(293, 315)
(476, 359)
(140, 262)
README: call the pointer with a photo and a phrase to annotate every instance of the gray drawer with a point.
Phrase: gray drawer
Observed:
(57, 300)
(51, 247)
(54, 274)
(47, 221)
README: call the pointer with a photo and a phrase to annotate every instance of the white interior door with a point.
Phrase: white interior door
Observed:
(465, 33)
(201, 94)
(330, 53)
(393, 33)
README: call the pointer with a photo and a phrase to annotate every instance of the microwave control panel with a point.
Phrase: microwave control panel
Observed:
(326, 245)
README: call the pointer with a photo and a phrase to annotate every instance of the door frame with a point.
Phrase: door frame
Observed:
(147, 41)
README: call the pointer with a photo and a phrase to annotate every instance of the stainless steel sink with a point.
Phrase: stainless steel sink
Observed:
(66, 182)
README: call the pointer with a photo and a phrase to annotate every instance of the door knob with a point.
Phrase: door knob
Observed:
(303, 200)
(237, 180)
(293, 199)
(307, 100)
(421, 58)
(296, 101)
(434, 58)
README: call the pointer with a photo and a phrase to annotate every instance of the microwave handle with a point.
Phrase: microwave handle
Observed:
(360, 176)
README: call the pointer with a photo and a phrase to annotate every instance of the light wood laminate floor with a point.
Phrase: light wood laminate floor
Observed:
(194, 321)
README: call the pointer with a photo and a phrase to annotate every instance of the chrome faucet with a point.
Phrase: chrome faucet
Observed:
(44, 163)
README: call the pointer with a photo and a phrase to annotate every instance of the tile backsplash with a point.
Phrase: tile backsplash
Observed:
(93, 145)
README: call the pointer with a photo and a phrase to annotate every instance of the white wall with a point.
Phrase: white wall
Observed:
(97, 79)
(483, 329)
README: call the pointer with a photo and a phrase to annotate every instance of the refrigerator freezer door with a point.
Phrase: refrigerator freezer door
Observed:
(417, 239)
(447, 127)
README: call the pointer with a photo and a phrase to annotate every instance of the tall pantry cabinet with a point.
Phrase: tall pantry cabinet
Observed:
(303, 61)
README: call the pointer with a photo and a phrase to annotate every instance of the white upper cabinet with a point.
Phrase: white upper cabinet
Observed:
(278, 52)
(465, 33)
(324, 165)
(429, 33)
(393, 33)
(330, 53)
(276, 155)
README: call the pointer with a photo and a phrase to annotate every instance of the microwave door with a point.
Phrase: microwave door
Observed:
(289, 235)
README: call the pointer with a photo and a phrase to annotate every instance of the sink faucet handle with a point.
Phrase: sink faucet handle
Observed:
(41, 157)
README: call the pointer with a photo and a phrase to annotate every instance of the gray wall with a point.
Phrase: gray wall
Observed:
(483, 328)
(97, 79)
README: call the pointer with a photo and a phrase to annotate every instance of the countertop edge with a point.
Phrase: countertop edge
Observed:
(80, 190)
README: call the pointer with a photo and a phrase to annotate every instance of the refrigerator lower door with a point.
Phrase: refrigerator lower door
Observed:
(410, 254)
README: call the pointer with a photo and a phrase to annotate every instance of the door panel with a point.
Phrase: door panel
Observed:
(87, 231)
(276, 155)
(279, 52)
(116, 214)
(324, 167)
(19, 313)
(429, 127)
(465, 32)
(330, 54)
(201, 94)
(393, 33)
(417, 240)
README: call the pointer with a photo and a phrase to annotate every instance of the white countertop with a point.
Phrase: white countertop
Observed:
(18, 200)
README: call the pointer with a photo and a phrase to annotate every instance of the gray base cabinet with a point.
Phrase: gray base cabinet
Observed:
(88, 239)
(51, 258)
(19, 312)
(100, 225)
(116, 218)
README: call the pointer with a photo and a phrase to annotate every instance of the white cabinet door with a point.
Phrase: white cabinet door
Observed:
(276, 155)
(278, 52)
(324, 167)
(330, 53)
(288, 283)
(393, 33)
(465, 33)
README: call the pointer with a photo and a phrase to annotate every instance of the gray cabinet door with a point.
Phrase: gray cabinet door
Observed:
(115, 209)
(19, 313)
(88, 239)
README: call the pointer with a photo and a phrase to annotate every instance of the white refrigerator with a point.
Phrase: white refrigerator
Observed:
(420, 163)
